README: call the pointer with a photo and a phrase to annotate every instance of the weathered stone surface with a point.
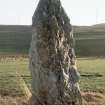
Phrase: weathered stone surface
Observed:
(52, 57)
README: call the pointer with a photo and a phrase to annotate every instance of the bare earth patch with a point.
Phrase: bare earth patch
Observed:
(7, 100)
(89, 98)
(93, 98)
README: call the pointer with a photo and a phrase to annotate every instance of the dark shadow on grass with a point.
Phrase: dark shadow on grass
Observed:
(91, 75)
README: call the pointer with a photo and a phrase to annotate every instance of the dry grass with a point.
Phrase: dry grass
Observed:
(89, 98)
(92, 70)
(93, 98)
(7, 100)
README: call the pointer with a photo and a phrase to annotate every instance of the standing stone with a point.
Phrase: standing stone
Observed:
(52, 57)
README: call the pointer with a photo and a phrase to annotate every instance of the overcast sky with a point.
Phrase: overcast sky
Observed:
(81, 12)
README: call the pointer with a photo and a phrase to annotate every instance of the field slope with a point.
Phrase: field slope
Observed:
(90, 40)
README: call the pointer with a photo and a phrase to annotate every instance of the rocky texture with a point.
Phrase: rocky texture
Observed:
(52, 57)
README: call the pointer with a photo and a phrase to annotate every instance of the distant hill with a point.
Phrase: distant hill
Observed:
(90, 40)
(15, 28)
(93, 28)
(14, 38)
(102, 25)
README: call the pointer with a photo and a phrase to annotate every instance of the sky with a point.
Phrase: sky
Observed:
(80, 12)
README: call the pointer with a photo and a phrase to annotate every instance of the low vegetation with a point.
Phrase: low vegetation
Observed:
(90, 40)
(92, 72)
(92, 79)
(14, 46)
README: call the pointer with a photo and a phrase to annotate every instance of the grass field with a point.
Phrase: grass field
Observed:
(90, 40)
(14, 47)
(92, 72)
(9, 80)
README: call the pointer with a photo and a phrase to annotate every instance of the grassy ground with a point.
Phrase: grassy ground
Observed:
(12, 92)
(9, 81)
(90, 41)
(92, 72)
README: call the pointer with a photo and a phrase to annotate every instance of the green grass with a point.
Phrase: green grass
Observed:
(92, 72)
(90, 41)
(15, 39)
(9, 81)
(91, 47)
(15, 42)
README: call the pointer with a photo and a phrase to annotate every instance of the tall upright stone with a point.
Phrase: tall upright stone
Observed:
(52, 57)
